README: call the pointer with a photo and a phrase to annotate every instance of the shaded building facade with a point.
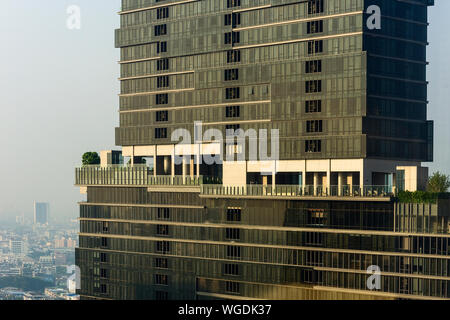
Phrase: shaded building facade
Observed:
(349, 103)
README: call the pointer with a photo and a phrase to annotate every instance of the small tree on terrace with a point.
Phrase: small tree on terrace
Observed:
(438, 182)
(90, 158)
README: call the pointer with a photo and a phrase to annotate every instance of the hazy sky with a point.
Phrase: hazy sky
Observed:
(58, 96)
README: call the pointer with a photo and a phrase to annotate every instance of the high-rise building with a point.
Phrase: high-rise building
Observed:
(60, 243)
(18, 248)
(338, 87)
(20, 219)
(41, 212)
(71, 243)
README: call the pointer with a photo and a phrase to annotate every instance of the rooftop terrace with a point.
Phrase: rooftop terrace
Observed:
(143, 176)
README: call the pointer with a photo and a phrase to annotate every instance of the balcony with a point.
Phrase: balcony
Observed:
(294, 191)
(143, 176)
(137, 175)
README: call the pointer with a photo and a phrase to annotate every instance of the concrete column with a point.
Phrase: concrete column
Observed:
(132, 158)
(273, 179)
(304, 178)
(264, 180)
(154, 161)
(316, 182)
(172, 164)
(329, 178)
(303, 181)
(394, 183)
(340, 183)
(361, 181)
(166, 164)
(361, 178)
(350, 182)
(198, 161)
(191, 167)
(184, 168)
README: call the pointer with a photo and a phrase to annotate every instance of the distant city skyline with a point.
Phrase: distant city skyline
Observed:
(34, 261)
(56, 108)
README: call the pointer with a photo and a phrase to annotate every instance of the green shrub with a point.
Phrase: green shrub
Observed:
(90, 158)
(438, 182)
(417, 197)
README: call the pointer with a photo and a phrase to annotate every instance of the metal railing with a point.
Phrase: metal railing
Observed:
(174, 181)
(297, 191)
(129, 175)
(136, 165)
(365, 191)
(143, 175)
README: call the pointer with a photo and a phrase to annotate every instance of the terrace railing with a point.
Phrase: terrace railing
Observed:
(297, 191)
(142, 175)
(129, 175)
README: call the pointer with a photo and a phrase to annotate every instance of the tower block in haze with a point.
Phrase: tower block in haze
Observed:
(41, 212)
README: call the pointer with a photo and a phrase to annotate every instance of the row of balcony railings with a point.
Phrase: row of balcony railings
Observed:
(143, 175)
(298, 191)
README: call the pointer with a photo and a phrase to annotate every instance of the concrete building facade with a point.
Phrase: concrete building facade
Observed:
(344, 106)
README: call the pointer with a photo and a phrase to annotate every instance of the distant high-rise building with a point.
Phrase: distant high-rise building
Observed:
(18, 247)
(72, 285)
(41, 212)
(60, 243)
(20, 219)
(71, 243)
